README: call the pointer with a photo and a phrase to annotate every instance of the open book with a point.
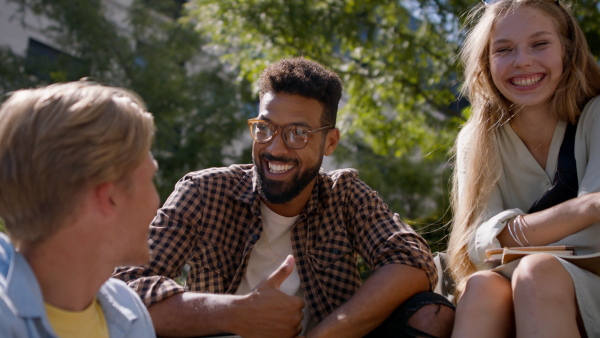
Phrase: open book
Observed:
(496, 257)
(500, 257)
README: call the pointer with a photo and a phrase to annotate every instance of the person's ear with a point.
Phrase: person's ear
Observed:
(332, 140)
(105, 197)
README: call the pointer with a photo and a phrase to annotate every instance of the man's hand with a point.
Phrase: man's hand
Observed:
(264, 312)
(268, 312)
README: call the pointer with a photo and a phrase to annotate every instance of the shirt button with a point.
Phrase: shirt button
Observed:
(219, 264)
(335, 251)
(255, 237)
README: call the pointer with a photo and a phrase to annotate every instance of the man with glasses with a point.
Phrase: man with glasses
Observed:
(278, 239)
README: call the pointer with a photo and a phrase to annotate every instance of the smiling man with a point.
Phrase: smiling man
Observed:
(277, 240)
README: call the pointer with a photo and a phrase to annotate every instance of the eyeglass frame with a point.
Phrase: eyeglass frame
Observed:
(251, 122)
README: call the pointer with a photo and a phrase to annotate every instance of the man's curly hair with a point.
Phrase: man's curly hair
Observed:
(299, 76)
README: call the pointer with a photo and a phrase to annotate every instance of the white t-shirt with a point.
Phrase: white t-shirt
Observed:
(268, 254)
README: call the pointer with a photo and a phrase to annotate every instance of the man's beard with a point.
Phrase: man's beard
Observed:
(279, 192)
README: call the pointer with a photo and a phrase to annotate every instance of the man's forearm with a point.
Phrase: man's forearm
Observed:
(265, 312)
(193, 314)
(376, 299)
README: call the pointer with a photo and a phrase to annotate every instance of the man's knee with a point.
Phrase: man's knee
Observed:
(434, 319)
(425, 314)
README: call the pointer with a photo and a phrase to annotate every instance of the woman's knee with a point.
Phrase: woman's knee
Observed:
(487, 300)
(539, 276)
(533, 268)
(487, 282)
(486, 289)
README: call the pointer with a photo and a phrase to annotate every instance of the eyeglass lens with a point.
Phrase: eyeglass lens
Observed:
(294, 136)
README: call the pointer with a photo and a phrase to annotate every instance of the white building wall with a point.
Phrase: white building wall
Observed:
(16, 28)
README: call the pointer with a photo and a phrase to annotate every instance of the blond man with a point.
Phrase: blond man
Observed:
(77, 196)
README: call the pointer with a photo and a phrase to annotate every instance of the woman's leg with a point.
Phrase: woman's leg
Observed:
(486, 308)
(544, 298)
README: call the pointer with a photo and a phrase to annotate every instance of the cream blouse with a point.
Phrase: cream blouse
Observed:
(523, 181)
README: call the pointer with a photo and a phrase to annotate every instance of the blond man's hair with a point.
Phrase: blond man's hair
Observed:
(59, 139)
(579, 83)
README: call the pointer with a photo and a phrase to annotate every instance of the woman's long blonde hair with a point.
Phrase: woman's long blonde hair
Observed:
(579, 83)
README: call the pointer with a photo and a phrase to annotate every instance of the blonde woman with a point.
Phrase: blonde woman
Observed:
(532, 82)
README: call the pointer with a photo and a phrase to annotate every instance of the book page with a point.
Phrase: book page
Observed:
(510, 254)
(588, 262)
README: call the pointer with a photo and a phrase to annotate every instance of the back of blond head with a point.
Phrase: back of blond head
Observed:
(56, 140)
(579, 83)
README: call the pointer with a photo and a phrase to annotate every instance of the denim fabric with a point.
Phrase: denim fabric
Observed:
(396, 325)
(22, 312)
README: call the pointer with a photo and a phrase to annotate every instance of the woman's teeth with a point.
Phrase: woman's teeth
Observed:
(526, 81)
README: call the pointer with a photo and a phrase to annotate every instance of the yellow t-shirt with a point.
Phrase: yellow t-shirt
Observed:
(87, 323)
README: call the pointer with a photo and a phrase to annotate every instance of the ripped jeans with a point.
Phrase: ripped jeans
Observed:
(396, 325)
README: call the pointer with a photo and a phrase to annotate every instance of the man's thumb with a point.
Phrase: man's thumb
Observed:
(282, 272)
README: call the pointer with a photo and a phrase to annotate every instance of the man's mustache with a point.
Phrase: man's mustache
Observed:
(272, 158)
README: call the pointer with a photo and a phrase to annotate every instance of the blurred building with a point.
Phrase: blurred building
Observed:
(31, 36)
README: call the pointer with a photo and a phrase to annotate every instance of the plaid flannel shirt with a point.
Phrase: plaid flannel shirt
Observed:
(212, 220)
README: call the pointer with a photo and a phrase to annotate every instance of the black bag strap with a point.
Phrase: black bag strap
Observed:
(565, 185)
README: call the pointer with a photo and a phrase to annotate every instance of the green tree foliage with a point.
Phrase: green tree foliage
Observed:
(397, 68)
(400, 111)
(410, 185)
(396, 59)
(398, 63)
(198, 112)
(588, 14)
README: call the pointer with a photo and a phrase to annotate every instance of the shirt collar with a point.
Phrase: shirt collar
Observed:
(22, 287)
(120, 317)
(246, 191)
(24, 292)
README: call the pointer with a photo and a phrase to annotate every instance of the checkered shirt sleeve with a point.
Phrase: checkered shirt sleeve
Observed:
(382, 237)
(211, 221)
(171, 241)
(351, 218)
